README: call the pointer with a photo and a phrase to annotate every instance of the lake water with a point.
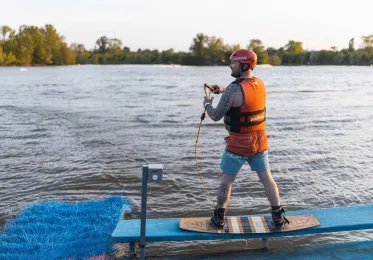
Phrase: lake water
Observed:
(83, 133)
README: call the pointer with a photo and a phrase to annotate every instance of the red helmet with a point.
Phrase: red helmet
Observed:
(245, 56)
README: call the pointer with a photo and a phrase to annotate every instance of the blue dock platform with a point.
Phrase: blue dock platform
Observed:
(341, 251)
(331, 220)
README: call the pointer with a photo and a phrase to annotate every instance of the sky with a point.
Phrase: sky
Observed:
(165, 24)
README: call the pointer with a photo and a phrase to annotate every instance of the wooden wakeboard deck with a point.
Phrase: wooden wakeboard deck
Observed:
(249, 224)
(167, 229)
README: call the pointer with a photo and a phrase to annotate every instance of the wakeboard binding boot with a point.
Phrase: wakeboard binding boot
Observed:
(278, 217)
(217, 221)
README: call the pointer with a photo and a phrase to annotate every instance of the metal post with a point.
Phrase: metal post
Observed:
(132, 249)
(143, 210)
(265, 244)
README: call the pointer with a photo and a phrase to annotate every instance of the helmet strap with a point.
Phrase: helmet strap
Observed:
(242, 70)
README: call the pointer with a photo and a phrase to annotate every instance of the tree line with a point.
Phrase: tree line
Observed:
(32, 45)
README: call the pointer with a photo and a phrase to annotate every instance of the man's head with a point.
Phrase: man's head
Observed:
(242, 61)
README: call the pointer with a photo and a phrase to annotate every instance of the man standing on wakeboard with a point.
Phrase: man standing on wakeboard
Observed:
(244, 109)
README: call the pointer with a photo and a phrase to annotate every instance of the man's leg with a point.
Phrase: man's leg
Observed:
(225, 189)
(223, 197)
(273, 196)
(270, 187)
(259, 163)
(230, 165)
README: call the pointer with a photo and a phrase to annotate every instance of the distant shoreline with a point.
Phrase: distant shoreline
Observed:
(44, 46)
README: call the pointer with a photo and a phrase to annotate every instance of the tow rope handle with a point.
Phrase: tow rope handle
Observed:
(209, 87)
(203, 116)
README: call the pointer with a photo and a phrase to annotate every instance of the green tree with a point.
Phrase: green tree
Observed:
(167, 56)
(5, 30)
(275, 60)
(339, 58)
(25, 50)
(368, 43)
(294, 47)
(65, 55)
(52, 41)
(348, 59)
(94, 59)
(228, 50)
(115, 43)
(103, 44)
(215, 49)
(314, 58)
(351, 44)
(10, 43)
(326, 57)
(2, 56)
(293, 53)
(366, 58)
(198, 46)
(10, 59)
(257, 46)
(271, 51)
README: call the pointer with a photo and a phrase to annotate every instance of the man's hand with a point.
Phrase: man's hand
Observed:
(207, 101)
(217, 89)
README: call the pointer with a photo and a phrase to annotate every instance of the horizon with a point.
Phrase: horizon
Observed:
(175, 24)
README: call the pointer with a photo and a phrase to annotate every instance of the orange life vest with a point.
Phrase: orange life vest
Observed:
(246, 124)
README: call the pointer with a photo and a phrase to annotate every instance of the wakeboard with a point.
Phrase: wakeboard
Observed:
(249, 224)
